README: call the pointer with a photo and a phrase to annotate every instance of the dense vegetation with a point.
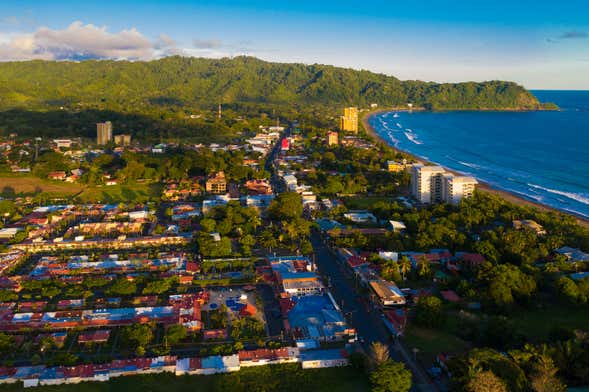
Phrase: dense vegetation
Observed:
(174, 89)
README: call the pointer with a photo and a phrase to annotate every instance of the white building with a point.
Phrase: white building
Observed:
(431, 184)
(426, 183)
(455, 188)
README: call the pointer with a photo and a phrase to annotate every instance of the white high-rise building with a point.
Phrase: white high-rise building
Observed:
(456, 188)
(431, 184)
(426, 183)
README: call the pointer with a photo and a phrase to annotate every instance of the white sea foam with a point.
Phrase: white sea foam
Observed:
(412, 138)
(471, 165)
(582, 198)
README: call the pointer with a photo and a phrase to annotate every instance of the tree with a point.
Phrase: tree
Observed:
(486, 381)
(268, 240)
(543, 376)
(404, 266)
(391, 376)
(6, 343)
(506, 283)
(378, 354)
(429, 312)
(122, 286)
(137, 335)
(208, 225)
(569, 290)
(424, 267)
(286, 206)
(157, 286)
(175, 334)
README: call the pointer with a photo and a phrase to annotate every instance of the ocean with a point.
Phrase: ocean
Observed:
(540, 156)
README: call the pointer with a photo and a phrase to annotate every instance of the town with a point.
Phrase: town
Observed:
(294, 244)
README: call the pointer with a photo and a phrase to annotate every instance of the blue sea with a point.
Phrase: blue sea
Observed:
(541, 156)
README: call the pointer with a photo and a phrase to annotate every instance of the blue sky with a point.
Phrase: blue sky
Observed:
(540, 44)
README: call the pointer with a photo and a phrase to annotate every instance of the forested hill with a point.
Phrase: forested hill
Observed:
(198, 82)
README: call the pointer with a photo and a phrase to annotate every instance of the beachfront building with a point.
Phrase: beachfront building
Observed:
(103, 132)
(426, 183)
(349, 121)
(456, 188)
(432, 184)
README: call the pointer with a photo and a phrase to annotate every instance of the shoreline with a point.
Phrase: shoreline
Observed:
(508, 196)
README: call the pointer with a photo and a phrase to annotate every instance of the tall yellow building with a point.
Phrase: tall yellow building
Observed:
(349, 121)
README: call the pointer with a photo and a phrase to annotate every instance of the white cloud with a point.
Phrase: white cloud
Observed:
(79, 41)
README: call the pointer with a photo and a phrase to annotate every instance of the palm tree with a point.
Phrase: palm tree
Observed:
(378, 353)
(405, 265)
(424, 268)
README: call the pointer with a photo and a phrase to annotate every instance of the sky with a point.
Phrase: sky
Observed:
(539, 44)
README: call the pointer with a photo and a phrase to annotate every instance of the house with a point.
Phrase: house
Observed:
(57, 175)
(386, 293)
(9, 232)
(212, 334)
(450, 296)
(216, 183)
(395, 320)
(360, 217)
(397, 226)
(63, 143)
(248, 310)
(185, 279)
(266, 356)
(395, 167)
(529, 224)
(573, 254)
(98, 336)
(258, 187)
(314, 359)
(284, 144)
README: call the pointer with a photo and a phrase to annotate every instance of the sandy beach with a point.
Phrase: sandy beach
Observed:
(483, 186)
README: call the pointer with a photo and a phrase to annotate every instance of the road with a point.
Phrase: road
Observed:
(367, 322)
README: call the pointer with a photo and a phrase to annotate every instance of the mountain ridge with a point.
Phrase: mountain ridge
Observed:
(199, 82)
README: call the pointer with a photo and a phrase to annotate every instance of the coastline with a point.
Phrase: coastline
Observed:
(483, 186)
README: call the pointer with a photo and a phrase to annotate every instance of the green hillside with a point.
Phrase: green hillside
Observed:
(176, 98)
(197, 82)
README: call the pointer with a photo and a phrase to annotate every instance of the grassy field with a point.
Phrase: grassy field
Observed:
(29, 185)
(536, 324)
(433, 341)
(138, 193)
(14, 185)
(263, 378)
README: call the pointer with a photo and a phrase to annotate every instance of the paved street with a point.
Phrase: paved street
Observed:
(367, 322)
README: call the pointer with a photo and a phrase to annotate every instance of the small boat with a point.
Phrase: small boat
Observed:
(396, 115)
